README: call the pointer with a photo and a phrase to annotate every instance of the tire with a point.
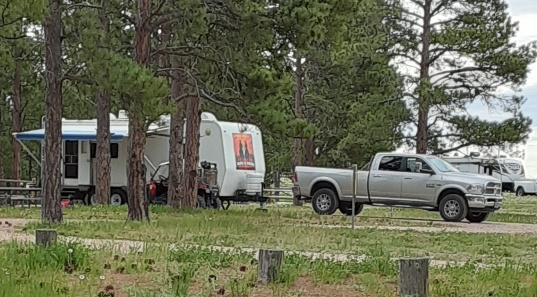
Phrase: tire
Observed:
(89, 198)
(200, 202)
(117, 197)
(520, 192)
(325, 202)
(453, 208)
(346, 208)
(477, 217)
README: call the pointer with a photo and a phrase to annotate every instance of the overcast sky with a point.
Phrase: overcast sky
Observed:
(525, 13)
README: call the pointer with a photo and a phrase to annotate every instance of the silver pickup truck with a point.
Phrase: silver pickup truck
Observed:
(401, 180)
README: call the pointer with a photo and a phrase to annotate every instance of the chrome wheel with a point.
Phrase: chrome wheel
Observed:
(452, 208)
(323, 202)
(93, 200)
(115, 199)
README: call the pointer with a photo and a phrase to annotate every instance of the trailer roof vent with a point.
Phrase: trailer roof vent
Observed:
(207, 116)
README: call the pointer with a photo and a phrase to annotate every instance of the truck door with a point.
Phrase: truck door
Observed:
(417, 187)
(385, 181)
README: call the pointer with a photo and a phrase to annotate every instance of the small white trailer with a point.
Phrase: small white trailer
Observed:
(236, 148)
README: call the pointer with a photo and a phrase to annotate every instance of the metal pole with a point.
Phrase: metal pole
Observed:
(354, 189)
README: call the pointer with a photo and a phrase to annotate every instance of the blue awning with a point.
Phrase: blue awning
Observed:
(88, 135)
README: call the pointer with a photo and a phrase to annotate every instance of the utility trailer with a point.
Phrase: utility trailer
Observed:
(509, 170)
(236, 148)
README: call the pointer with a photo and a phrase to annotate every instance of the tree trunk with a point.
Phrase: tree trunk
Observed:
(192, 151)
(298, 111)
(423, 108)
(309, 147)
(17, 113)
(51, 210)
(164, 59)
(137, 200)
(3, 112)
(102, 186)
(176, 185)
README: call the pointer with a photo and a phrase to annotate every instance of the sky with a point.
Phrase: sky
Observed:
(525, 13)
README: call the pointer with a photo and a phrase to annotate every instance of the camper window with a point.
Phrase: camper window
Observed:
(114, 150)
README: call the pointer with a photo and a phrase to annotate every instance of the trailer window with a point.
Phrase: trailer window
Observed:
(114, 150)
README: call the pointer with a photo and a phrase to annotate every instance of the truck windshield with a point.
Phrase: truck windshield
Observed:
(442, 165)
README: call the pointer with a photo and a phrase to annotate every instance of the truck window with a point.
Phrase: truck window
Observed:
(391, 163)
(411, 164)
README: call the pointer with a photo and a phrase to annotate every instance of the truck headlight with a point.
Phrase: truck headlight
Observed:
(476, 189)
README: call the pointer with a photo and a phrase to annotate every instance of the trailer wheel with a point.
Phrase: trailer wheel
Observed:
(325, 202)
(453, 208)
(520, 192)
(89, 198)
(117, 197)
(346, 208)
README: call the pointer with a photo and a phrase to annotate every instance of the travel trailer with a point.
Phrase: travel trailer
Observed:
(509, 170)
(236, 148)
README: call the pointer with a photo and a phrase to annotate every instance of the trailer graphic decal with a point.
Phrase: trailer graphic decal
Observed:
(244, 151)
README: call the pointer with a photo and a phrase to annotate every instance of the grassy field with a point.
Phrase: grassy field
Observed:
(72, 270)
(33, 271)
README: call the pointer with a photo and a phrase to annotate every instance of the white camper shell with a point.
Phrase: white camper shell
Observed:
(236, 148)
(509, 170)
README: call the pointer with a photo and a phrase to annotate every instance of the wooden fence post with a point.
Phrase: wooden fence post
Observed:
(45, 237)
(413, 277)
(277, 184)
(269, 265)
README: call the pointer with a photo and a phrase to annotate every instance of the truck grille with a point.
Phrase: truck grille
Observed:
(493, 188)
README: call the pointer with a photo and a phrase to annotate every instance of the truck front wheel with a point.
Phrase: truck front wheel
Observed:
(477, 217)
(346, 208)
(325, 202)
(453, 208)
(520, 192)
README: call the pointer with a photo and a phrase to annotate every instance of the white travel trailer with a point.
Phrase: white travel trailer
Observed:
(509, 170)
(236, 148)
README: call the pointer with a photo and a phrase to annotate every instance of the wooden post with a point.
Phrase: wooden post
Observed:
(277, 184)
(269, 265)
(45, 237)
(413, 277)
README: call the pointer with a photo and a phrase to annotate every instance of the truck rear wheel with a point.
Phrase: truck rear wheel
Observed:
(453, 208)
(520, 192)
(477, 217)
(346, 208)
(325, 202)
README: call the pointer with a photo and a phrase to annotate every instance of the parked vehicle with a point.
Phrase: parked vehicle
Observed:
(510, 171)
(401, 180)
(236, 148)
(157, 187)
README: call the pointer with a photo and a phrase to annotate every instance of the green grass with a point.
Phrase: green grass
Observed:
(36, 271)
(269, 230)
(515, 210)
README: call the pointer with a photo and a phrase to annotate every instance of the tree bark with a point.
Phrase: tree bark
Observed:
(192, 150)
(51, 209)
(176, 185)
(17, 113)
(423, 103)
(102, 186)
(298, 111)
(137, 200)
(309, 147)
